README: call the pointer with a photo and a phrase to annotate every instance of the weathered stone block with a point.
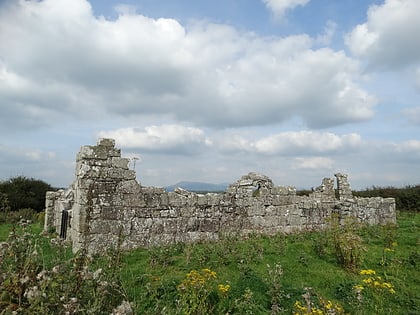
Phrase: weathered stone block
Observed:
(106, 142)
(106, 198)
(120, 162)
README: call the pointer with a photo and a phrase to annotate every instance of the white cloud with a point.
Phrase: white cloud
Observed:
(61, 61)
(409, 147)
(24, 155)
(279, 7)
(315, 163)
(164, 138)
(389, 38)
(306, 142)
(292, 143)
(233, 143)
(329, 31)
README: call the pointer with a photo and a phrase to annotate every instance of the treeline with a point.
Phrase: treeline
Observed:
(406, 198)
(22, 198)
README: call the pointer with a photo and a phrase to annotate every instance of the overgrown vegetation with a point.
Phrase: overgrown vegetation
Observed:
(22, 198)
(23, 192)
(406, 198)
(344, 269)
(39, 275)
(304, 273)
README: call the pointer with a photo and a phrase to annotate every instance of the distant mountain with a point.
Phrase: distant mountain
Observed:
(198, 187)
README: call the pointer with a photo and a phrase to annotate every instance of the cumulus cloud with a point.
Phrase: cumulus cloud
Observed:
(329, 31)
(389, 38)
(60, 60)
(279, 7)
(316, 163)
(175, 139)
(306, 142)
(293, 143)
(21, 155)
(409, 146)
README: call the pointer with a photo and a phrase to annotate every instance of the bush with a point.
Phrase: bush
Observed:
(22, 192)
(406, 199)
(64, 285)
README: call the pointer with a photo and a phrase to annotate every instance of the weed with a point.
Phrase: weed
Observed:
(348, 245)
(316, 305)
(64, 286)
(247, 305)
(371, 290)
(198, 294)
(258, 275)
(276, 292)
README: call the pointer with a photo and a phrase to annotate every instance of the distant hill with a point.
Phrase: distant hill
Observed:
(198, 187)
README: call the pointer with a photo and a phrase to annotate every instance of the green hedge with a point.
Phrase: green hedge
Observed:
(406, 198)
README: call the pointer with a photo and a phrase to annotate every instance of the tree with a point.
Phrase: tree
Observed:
(25, 192)
(4, 203)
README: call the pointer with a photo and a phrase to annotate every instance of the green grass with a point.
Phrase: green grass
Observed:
(244, 265)
(150, 276)
(4, 231)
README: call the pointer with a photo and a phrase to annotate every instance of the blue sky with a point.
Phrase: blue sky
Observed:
(211, 90)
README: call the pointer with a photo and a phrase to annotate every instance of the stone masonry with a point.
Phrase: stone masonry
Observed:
(106, 206)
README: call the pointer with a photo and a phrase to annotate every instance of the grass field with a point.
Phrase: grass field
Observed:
(281, 274)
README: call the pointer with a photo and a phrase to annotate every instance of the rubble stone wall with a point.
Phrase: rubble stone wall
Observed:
(106, 206)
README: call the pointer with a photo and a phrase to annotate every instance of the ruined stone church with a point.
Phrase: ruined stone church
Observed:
(106, 206)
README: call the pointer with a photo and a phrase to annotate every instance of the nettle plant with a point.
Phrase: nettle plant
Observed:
(35, 282)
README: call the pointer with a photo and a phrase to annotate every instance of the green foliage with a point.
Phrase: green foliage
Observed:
(406, 199)
(24, 193)
(313, 304)
(26, 214)
(279, 274)
(347, 244)
(4, 202)
(198, 293)
(33, 282)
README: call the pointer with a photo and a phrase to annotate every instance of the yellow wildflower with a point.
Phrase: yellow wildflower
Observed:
(367, 272)
(223, 288)
(209, 273)
(329, 305)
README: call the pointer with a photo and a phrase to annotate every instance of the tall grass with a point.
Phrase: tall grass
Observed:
(281, 274)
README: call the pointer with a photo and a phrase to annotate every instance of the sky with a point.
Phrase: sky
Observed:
(209, 90)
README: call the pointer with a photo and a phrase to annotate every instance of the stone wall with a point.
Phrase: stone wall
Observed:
(106, 205)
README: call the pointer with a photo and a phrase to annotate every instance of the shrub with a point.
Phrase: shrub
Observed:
(63, 286)
(24, 193)
(406, 199)
(198, 293)
(347, 245)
